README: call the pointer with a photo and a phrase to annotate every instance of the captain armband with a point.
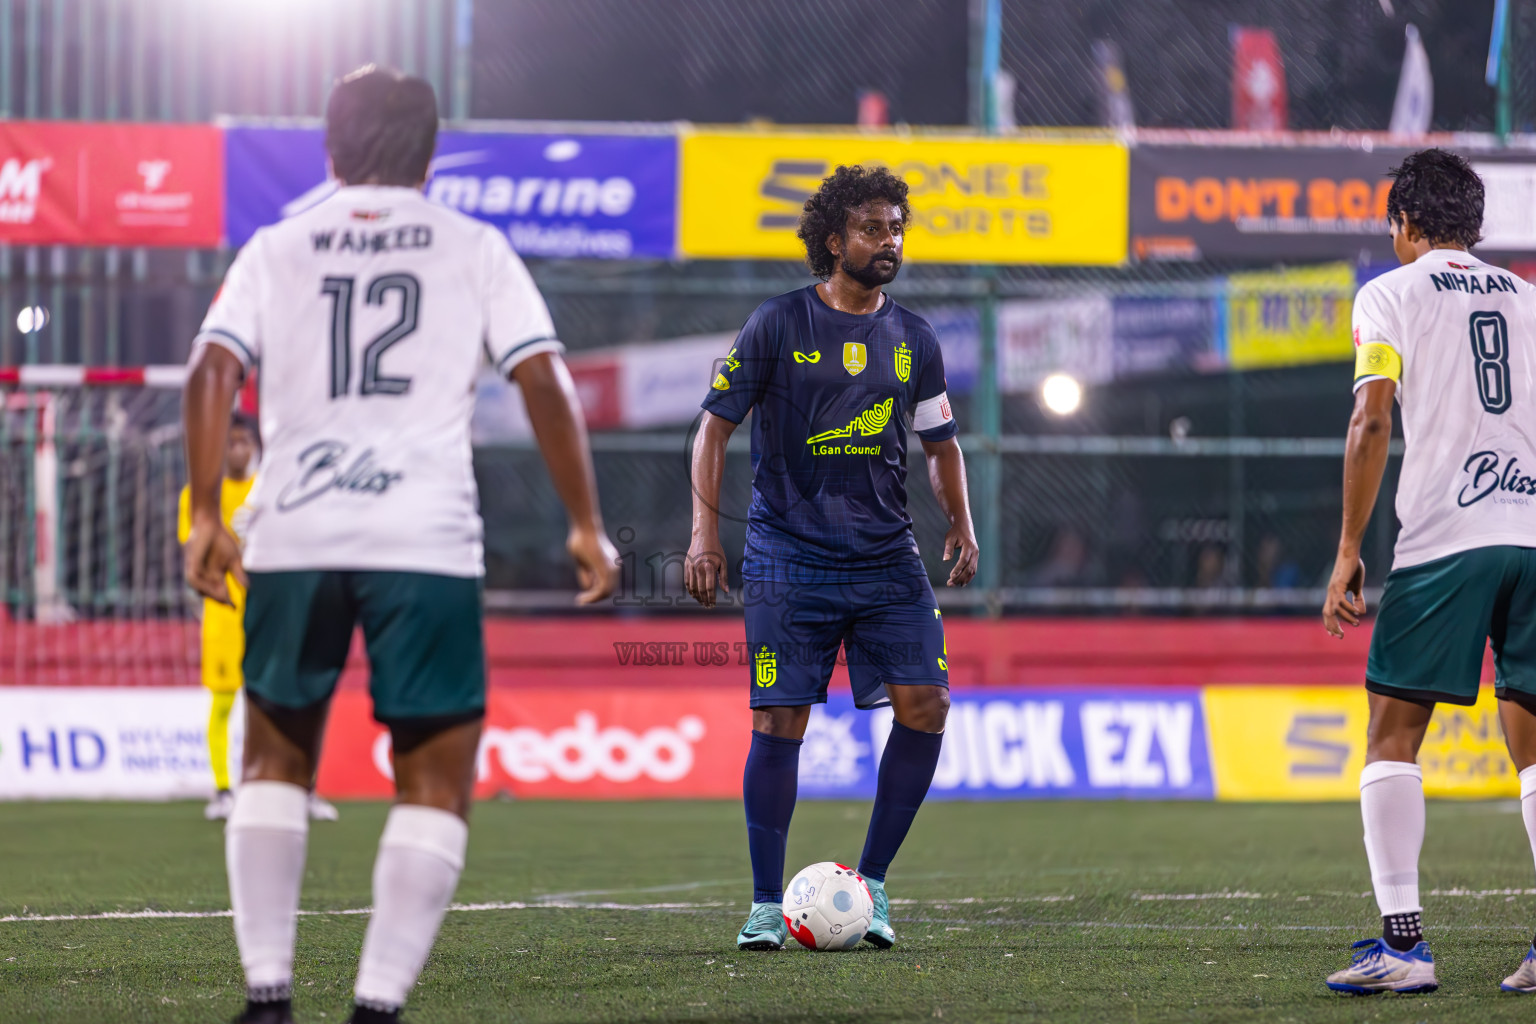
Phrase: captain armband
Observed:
(1375, 359)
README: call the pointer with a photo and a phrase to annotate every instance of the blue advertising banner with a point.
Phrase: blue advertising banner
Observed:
(1028, 743)
(1158, 335)
(567, 196)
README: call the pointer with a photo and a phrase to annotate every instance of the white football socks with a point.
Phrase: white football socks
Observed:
(1392, 806)
(1528, 804)
(420, 856)
(264, 846)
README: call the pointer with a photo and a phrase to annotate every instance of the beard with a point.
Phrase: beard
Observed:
(874, 273)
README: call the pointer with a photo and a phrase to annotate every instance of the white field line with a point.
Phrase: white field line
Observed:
(1150, 896)
(725, 905)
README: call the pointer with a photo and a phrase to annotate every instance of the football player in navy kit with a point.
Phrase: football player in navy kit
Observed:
(836, 374)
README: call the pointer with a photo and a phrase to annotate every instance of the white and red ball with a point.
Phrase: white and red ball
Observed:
(828, 906)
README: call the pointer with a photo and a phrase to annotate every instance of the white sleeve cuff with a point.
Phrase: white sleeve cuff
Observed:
(225, 340)
(932, 412)
(509, 359)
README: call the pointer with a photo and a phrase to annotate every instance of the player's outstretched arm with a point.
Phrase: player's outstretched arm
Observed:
(706, 558)
(946, 474)
(550, 395)
(212, 553)
(1365, 460)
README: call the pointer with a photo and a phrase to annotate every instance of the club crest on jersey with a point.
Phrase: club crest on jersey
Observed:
(853, 357)
(903, 362)
(767, 667)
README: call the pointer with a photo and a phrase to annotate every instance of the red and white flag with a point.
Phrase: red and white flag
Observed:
(1258, 81)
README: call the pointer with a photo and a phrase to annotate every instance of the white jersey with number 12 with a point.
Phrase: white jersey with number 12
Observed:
(369, 317)
(1459, 337)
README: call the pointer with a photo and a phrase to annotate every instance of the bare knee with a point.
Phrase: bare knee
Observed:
(437, 770)
(282, 749)
(785, 722)
(922, 708)
(1396, 729)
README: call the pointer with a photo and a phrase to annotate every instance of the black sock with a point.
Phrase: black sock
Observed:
(258, 1008)
(1403, 931)
(906, 771)
(370, 1015)
(768, 787)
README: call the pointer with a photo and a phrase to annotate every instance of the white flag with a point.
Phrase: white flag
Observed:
(1415, 102)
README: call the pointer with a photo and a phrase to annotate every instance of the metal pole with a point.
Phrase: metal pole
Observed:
(33, 30)
(410, 37)
(1506, 88)
(87, 64)
(112, 62)
(463, 30)
(434, 61)
(989, 464)
(56, 60)
(7, 69)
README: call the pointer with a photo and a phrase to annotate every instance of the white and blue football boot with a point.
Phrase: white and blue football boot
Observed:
(765, 929)
(1524, 978)
(880, 933)
(1377, 967)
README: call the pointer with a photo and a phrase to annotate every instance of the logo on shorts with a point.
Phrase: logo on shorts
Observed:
(903, 362)
(767, 670)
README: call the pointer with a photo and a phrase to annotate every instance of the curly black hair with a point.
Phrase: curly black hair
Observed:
(826, 212)
(1442, 195)
(381, 127)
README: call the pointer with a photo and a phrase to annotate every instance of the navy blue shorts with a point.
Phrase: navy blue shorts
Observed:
(891, 630)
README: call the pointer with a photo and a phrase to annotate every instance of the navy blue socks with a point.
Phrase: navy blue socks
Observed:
(768, 789)
(906, 769)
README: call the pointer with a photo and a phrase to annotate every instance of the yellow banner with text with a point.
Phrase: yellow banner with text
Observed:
(1308, 743)
(1289, 317)
(973, 200)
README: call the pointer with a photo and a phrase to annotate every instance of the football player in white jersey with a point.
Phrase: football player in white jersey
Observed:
(1454, 341)
(370, 316)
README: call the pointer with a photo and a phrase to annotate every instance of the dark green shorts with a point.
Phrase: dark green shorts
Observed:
(1436, 619)
(426, 649)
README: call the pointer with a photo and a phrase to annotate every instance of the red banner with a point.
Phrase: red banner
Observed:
(1258, 81)
(585, 743)
(111, 184)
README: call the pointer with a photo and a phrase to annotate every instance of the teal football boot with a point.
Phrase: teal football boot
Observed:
(765, 928)
(880, 932)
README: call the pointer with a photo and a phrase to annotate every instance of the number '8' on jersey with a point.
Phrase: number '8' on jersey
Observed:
(1458, 336)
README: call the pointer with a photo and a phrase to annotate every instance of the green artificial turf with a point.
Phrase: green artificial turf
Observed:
(1019, 911)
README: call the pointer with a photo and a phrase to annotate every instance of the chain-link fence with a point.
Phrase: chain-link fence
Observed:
(1171, 488)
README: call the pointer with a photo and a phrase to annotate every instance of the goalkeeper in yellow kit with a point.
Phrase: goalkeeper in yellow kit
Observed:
(224, 625)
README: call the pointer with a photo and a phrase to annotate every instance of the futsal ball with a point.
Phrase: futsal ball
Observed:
(828, 906)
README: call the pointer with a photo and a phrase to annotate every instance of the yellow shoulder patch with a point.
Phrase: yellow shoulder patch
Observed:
(721, 384)
(1375, 359)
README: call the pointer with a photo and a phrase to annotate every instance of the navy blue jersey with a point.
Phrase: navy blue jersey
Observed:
(835, 394)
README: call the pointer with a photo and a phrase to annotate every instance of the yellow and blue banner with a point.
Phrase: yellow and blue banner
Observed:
(1290, 317)
(1308, 743)
(974, 200)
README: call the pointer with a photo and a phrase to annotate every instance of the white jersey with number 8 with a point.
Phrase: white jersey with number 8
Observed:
(1459, 337)
(369, 317)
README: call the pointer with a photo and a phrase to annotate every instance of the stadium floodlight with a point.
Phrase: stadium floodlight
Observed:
(31, 319)
(1061, 394)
